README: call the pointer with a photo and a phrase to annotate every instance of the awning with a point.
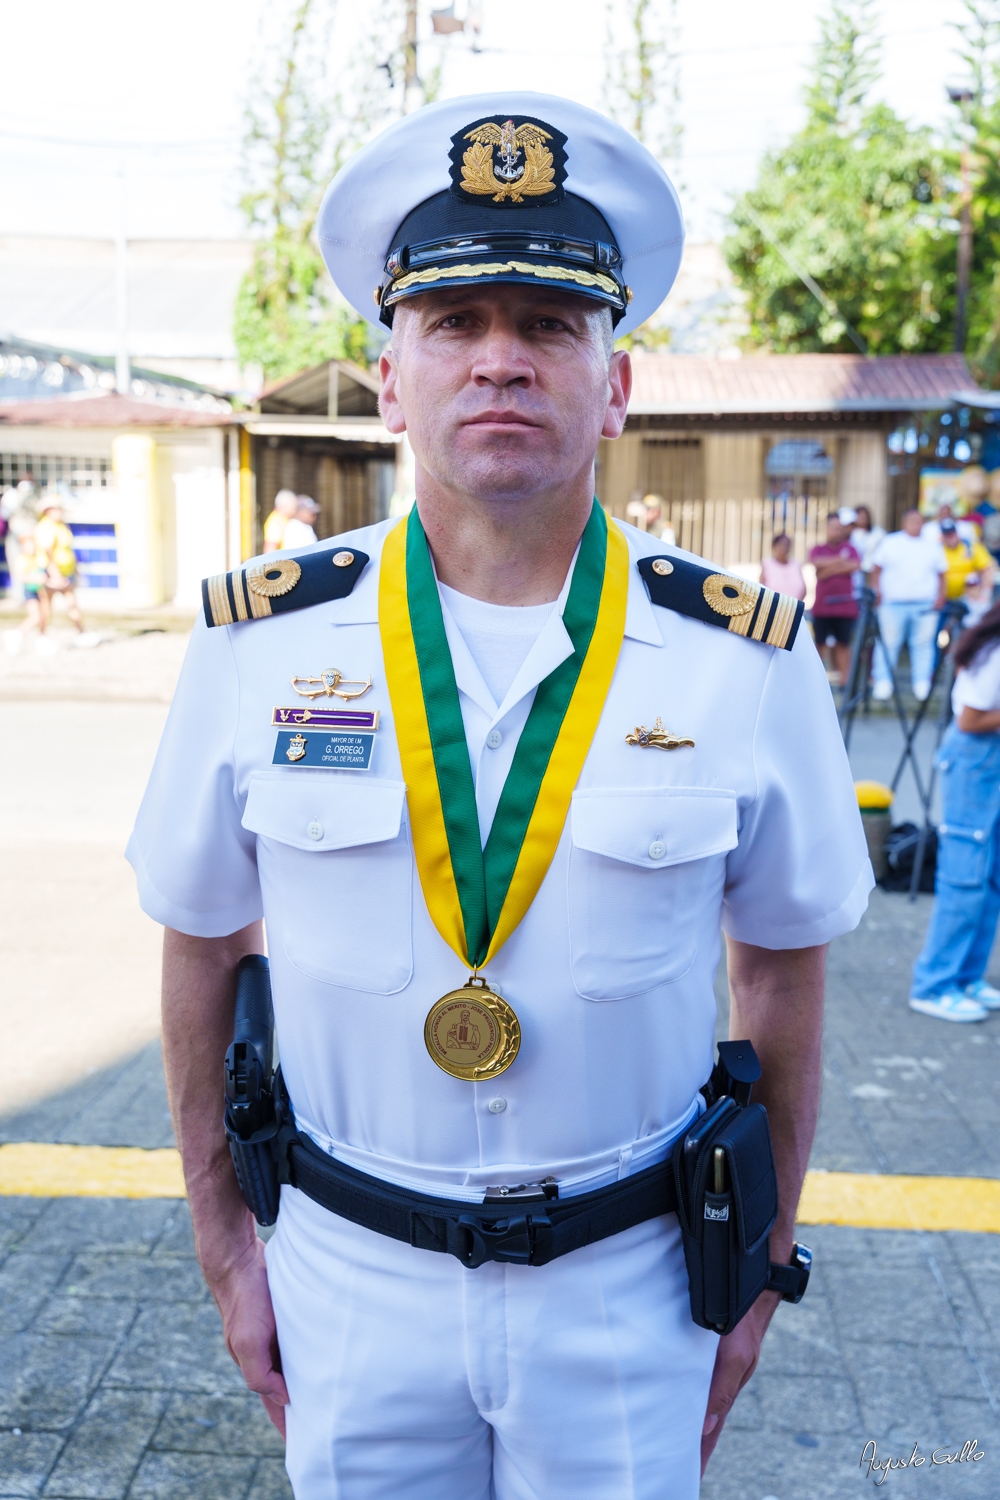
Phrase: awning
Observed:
(984, 400)
(320, 427)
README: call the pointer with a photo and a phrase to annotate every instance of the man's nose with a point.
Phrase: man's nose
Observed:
(502, 360)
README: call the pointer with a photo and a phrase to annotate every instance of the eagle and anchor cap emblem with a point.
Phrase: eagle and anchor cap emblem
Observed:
(508, 161)
(503, 187)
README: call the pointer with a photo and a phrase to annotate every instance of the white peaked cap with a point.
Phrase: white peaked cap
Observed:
(409, 163)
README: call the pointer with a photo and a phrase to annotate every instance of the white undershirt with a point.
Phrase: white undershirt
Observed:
(499, 636)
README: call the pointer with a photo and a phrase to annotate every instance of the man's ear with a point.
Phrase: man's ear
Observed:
(620, 389)
(388, 401)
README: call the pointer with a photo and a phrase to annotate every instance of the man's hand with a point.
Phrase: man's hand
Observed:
(735, 1362)
(199, 993)
(776, 1002)
(244, 1301)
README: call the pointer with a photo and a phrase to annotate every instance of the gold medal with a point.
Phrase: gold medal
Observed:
(472, 1033)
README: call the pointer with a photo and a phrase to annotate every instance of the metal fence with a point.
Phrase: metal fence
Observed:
(739, 532)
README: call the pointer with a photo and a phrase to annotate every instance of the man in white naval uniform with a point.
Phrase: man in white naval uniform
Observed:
(397, 1371)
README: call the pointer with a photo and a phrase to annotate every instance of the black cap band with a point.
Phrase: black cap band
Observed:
(446, 242)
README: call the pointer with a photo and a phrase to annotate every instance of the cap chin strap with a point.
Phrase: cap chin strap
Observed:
(590, 267)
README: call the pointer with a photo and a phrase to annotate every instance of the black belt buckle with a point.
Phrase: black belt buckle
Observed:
(515, 1241)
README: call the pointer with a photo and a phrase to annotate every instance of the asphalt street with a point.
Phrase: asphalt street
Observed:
(115, 1381)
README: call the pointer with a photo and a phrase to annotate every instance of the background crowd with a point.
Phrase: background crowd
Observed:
(42, 563)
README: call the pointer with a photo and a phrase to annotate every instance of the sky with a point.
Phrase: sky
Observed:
(100, 90)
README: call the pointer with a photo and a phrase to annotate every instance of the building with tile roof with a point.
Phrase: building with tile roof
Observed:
(738, 448)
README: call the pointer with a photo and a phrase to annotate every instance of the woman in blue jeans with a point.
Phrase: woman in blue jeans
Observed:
(948, 977)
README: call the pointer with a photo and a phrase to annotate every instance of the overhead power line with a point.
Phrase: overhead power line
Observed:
(826, 303)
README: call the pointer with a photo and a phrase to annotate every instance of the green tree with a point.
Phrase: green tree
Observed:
(857, 204)
(287, 316)
(641, 76)
(977, 139)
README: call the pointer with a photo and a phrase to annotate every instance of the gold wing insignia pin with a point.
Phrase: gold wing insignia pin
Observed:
(656, 738)
(331, 684)
(508, 177)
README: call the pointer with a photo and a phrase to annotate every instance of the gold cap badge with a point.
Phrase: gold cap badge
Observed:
(508, 160)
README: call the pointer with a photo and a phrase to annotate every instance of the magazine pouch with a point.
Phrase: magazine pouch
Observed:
(727, 1193)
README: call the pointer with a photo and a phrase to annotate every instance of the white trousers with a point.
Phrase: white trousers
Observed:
(412, 1378)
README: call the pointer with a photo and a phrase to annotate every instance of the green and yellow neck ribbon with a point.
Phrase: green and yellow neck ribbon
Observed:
(476, 896)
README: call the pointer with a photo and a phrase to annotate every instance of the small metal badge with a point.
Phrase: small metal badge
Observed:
(472, 1033)
(331, 683)
(273, 580)
(297, 747)
(325, 718)
(508, 159)
(729, 596)
(656, 738)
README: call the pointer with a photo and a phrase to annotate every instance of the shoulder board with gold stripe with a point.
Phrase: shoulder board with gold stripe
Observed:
(287, 583)
(744, 608)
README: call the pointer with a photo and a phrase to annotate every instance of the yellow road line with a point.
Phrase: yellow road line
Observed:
(49, 1171)
(870, 1201)
(863, 1200)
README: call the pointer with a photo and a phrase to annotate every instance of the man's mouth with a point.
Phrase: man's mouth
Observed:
(501, 419)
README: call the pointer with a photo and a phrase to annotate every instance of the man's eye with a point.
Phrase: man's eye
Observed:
(455, 320)
(551, 325)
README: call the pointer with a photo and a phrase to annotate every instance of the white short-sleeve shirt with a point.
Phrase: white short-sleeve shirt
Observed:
(755, 830)
(911, 567)
(978, 684)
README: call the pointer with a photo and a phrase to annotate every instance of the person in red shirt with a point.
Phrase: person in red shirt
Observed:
(836, 607)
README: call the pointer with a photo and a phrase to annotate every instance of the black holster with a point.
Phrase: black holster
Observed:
(256, 1104)
(256, 1168)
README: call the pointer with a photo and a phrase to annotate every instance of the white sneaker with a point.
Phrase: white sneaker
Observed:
(882, 691)
(984, 994)
(921, 691)
(13, 640)
(86, 639)
(953, 1006)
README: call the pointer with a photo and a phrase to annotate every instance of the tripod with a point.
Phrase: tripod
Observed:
(856, 694)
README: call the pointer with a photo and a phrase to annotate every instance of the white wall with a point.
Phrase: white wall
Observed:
(196, 468)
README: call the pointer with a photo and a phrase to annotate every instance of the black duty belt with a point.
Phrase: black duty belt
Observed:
(526, 1228)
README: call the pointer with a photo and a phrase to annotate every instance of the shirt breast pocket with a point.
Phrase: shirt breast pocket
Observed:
(336, 871)
(646, 871)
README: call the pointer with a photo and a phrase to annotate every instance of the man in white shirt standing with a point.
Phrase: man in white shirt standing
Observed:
(518, 836)
(300, 528)
(908, 578)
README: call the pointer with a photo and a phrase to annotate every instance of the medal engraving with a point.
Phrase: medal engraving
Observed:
(296, 747)
(472, 1033)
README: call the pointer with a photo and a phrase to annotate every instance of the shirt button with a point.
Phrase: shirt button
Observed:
(497, 1106)
(657, 849)
(494, 739)
(315, 831)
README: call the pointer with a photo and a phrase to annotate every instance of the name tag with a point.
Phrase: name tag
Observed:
(334, 752)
